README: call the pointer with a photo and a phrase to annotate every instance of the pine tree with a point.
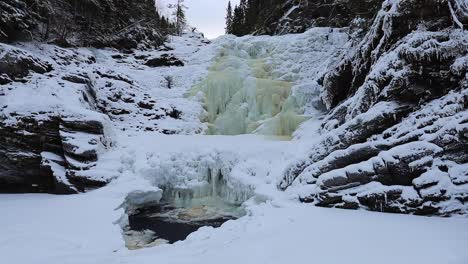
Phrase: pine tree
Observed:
(238, 22)
(164, 25)
(229, 18)
(251, 15)
(243, 7)
(247, 15)
(179, 14)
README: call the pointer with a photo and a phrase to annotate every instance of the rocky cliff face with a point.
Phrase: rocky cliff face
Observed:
(120, 24)
(45, 148)
(59, 108)
(395, 139)
(296, 16)
(55, 102)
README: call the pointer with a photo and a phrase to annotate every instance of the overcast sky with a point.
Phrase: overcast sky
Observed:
(206, 15)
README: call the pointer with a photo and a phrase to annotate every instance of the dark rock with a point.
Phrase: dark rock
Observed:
(87, 126)
(34, 153)
(15, 20)
(4, 79)
(84, 183)
(165, 60)
(145, 105)
(119, 112)
(174, 113)
(76, 79)
(329, 199)
(117, 56)
(388, 201)
(141, 57)
(16, 64)
(348, 205)
(114, 76)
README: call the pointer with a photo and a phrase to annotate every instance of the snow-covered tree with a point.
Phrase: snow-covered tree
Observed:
(179, 16)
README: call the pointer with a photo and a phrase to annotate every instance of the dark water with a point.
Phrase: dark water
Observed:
(167, 228)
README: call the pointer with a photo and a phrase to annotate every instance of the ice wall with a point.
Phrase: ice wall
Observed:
(243, 94)
(195, 179)
(213, 185)
(215, 192)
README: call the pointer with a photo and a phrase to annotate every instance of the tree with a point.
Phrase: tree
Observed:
(238, 22)
(229, 19)
(243, 6)
(251, 15)
(179, 15)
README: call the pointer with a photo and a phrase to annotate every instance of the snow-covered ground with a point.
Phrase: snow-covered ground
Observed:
(277, 229)
(44, 229)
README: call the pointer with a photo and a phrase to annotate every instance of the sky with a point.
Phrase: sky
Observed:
(206, 15)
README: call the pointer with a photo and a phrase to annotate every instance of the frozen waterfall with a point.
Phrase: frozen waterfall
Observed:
(193, 179)
(243, 93)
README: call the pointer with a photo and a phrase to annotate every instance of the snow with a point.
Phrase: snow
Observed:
(289, 12)
(72, 229)
(454, 16)
(260, 75)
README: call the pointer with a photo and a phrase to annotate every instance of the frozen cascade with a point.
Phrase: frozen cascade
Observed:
(195, 192)
(216, 192)
(243, 94)
(192, 180)
(258, 85)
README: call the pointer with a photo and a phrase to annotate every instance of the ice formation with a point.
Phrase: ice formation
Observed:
(194, 190)
(242, 94)
(196, 180)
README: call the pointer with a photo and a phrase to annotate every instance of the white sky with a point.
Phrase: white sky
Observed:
(206, 15)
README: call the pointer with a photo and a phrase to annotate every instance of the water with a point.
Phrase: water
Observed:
(176, 223)
(182, 211)
(177, 216)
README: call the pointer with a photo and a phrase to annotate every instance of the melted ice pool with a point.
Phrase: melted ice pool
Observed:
(170, 223)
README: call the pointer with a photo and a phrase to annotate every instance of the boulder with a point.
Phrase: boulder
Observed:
(164, 60)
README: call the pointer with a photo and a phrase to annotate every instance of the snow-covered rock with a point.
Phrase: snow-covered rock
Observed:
(17, 63)
(60, 109)
(397, 117)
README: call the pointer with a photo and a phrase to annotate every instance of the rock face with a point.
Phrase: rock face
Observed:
(296, 16)
(59, 108)
(275, 17)
(44, 150)
(121, 24)
(15, 64)
(395, 138)
(49, 155)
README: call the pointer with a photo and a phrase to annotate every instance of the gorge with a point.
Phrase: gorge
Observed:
(123, 143)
